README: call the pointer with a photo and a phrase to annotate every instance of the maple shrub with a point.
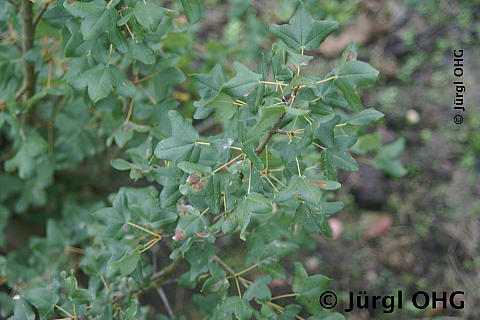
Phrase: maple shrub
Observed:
(91, 84)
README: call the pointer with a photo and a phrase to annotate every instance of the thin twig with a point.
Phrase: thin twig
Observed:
(49, 79)
(168, 270)
(40, 14)
(205, 125)
(223, 264)
(269, 134)
(230, 270)
(169, 281)
(164, 298)
(147, 94)
(157, 275)
(157, 279)
(284, 296)
(13, 3)
(146, 78)
(20, 92)
(130, 107)
(243, 271)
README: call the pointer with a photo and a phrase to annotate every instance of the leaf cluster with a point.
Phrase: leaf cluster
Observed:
(107, 87)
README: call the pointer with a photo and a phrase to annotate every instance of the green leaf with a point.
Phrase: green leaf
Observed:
(392, 150)
(174, 148)
(143, 202)
(180, 145)
(351, 75)
(98, 20)
(273, 269)
(366, 143)
(338, 156)
(127, 263)
(303, 31)
(121, 164)
(392, 167)
(56, 235)
(311, 217)
(212, 194)
(365, 117)
(182, 127)
(100, 83)
(26, 158)
(340, 159)
(127, 15)
(115, 217)
(244, 81)
(300, 187)
(349, 53)
(208, 85)
(148, 14)
(94, 25)
(385, 159)
(233, 305)
(324, 129)
(216, 282)
(82, 296)
(248, 148)
(279, 64)
(123, 135)
(224, 107)
(329, 96)
(190, 224)
(327, 166)
(191, 167)
(22, 311)
(296, 111)
(254, 203)
(193, 10)
(309, 288)
(83, 9)
(259, 289)
(268, 117)
(142, 52)
(167, 176)
(43, 299)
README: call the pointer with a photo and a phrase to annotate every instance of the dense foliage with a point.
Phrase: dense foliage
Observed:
(93, 82)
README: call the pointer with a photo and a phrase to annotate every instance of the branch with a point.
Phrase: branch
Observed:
(269, 134)
(20, 92)
(169, 281)
(226, 267)
(157, 279)
(163, 296)
(223, 264)
(205, 125)
(13, 3)
(40, 14)
(28, 39)
(167, 271)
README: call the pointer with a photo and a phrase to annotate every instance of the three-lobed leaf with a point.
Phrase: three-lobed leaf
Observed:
(192, 9)
(303, 32)
(351, 75)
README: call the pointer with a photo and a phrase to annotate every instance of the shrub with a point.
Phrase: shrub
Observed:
(96, 86)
